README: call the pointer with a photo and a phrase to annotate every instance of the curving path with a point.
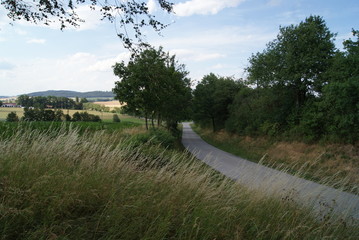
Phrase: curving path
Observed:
(323, 199)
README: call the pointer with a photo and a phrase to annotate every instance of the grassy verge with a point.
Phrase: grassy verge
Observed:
(105, 185)
(335, 165)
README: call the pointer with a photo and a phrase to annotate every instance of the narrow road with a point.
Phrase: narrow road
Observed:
(323, 199)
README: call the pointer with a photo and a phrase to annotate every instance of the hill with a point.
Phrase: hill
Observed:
(69, 94)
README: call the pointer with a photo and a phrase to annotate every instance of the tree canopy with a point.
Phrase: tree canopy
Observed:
(295, 59)
(154, 84)
(211, 99)
(132, 13)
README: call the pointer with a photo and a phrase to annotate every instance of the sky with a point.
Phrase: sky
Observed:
(207, 36)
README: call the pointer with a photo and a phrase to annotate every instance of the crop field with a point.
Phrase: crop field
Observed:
(105, 116)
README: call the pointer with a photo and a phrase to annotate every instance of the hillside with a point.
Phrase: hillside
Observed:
(67, 93)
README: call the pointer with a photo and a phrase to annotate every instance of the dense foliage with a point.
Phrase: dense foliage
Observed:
(50, 102)
(211, 98)
(300, 86)
(155, 86)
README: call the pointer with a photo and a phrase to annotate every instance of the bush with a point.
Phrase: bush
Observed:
(12, 117)
(85, 117)
(116, 118)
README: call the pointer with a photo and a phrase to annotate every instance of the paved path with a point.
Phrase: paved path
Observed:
(254, 176)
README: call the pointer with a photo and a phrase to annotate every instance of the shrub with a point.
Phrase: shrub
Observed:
(12, 117)
(116, 118)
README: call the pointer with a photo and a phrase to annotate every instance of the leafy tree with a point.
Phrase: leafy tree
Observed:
(131, 13)
(211, 100)
(85, 117)
(12, 117)
(296, 59)
(155, 85)
(1, 103)
(339, 104)
(25, 101)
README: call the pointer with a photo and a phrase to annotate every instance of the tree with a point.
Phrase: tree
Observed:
(1, 103)
(211, 99)
(12, 117)
(25, 101)
(296, 60)
(131, 13)
(116, 118)
(155, 85)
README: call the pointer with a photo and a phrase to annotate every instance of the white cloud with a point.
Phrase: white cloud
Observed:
(197, 56)
(107, 63)
(152, 6)
(36, 40)
(204, 7)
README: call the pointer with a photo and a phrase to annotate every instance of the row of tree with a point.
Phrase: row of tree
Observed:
(47, 115)
(300, 85)
(51, 102)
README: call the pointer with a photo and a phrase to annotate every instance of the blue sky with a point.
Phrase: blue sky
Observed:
(206, 35)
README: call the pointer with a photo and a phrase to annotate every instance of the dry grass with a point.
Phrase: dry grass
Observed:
(111, 104)
(339, 163)
(97, 186)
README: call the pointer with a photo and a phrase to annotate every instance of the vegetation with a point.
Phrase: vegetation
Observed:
(59, 183)
(211, 97)
(300, 88)
(116, 118)
(335, 165)
(12, 117)
(50, 102)
(154, 85)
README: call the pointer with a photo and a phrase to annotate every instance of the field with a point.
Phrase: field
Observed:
(111, 104)
(105, 116)
(333, 164)
(133, 184)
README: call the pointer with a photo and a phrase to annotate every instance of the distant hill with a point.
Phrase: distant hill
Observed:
(69, 94)
(3, 96)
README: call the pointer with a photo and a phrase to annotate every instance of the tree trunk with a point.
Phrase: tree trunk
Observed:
(146, 121)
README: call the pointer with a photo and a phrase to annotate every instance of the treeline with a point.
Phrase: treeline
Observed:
(300, 86)
(47, 115)
(51, 102)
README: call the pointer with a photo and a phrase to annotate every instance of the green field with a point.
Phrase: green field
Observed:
(105, 116)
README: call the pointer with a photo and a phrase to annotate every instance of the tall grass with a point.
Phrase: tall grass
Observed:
(332, 165)
(99, 185)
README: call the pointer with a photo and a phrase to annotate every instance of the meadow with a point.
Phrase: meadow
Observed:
(336, 165)
(70, 182)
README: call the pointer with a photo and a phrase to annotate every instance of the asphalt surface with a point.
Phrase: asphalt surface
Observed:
(325, 201)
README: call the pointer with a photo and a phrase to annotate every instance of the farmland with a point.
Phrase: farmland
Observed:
(105, 116)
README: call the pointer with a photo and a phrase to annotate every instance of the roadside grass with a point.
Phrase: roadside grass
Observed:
(105, 116)
(332, 164)
(104, 185)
